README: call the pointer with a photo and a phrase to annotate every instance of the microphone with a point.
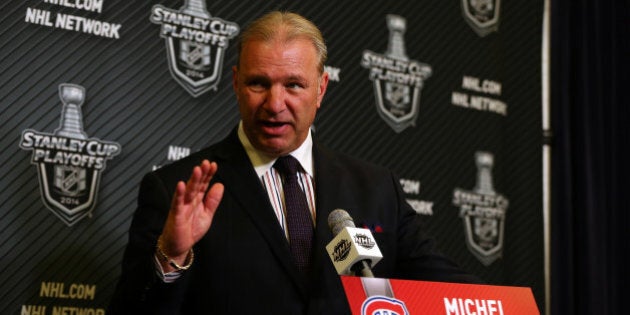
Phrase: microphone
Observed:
(353, 250)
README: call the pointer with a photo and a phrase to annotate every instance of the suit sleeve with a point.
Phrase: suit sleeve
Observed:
(140, 290)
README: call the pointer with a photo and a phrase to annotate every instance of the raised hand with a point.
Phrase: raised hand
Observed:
(191, 214)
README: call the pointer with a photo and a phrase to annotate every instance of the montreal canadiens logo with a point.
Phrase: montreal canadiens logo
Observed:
(382, 305)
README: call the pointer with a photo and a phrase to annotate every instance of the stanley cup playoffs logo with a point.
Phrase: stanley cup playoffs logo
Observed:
(483, 212)
(482, 15)
(195, 44)
(69, 163)
(397, 79)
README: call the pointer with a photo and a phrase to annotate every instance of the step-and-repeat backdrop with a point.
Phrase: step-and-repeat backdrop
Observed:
(96, 93)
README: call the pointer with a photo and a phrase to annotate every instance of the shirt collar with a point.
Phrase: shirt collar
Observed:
(263, 162)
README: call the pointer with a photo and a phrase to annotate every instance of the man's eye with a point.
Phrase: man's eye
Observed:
(295, 85)
(256, 85)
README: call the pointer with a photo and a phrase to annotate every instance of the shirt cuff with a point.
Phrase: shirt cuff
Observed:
(168, 277)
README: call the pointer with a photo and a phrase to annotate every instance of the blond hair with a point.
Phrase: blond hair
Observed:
(285, 26)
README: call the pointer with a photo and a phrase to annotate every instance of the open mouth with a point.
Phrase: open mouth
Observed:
(274, 128)
(273, 124)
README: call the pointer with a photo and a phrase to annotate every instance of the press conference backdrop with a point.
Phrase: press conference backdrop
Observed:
(96, 93)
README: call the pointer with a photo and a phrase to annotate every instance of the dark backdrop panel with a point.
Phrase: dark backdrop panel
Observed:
(133, 100)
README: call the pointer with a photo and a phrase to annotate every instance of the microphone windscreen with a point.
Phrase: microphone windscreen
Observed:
(338, 219)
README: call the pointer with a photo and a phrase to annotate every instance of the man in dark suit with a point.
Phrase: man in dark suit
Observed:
(218, 241)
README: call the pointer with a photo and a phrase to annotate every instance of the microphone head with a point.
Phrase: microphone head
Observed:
(338, 219)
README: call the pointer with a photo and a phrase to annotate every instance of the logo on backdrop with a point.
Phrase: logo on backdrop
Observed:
(195, 44)
(480, 94)
(411, 188)
(482, 15)
(174, 153)
(397, 79)
(483, 212)
(69, 163)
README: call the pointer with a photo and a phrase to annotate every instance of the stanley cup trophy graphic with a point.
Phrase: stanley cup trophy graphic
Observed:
(194, 55)
(195, 44)
(397, 79)
(69, 190)
(397, 95)
(69, 163)
(71, 180)
(484, 162)
(483, 211)
(486, 230)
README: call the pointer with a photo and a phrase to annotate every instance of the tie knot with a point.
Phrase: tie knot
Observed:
(287, 165)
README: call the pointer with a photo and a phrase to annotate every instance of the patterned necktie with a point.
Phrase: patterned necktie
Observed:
(299, 222)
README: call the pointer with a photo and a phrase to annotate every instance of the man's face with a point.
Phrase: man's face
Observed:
(279, 90)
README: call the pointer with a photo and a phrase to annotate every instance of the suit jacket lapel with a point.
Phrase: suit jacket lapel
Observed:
(329, 190)
(329, 196)
(237, 174)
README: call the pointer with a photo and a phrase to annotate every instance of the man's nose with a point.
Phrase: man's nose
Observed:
(275, 102)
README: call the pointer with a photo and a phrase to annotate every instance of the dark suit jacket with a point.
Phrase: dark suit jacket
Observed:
(243, 264)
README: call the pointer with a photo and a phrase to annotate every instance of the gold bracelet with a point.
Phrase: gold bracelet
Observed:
(189, 258)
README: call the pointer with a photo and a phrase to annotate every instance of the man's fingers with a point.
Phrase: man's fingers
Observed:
(207, 171)
(191, 214)
(192, 192)
(191, 184)
(178, 198)
(214, 197)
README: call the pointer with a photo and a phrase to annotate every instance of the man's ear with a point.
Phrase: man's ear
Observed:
(323, 85)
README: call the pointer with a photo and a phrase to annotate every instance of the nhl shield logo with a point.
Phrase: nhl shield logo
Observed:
(397, 79)
(70, 181)
(482, 15)
(195, 44)
(69, 163)
(483, 213)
